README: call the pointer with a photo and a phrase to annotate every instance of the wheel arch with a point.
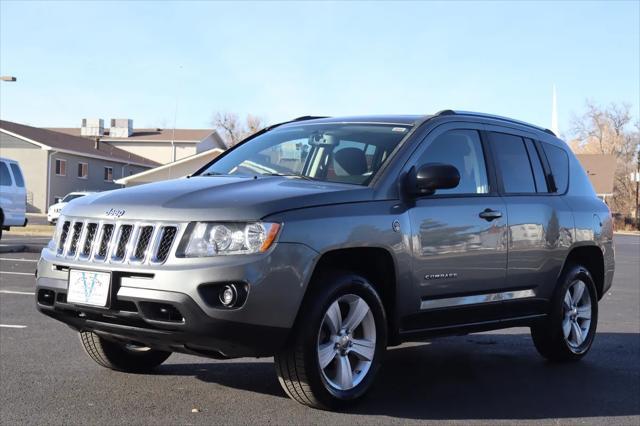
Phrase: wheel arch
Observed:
(376, 264)
(592, 258)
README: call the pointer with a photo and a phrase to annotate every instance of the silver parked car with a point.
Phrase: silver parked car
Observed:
(322, 241)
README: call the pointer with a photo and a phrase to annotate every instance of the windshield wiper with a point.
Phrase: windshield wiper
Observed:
(290, 175)
(213, 174)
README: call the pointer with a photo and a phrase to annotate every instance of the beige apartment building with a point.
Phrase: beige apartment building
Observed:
(54, 163)
(159, 145)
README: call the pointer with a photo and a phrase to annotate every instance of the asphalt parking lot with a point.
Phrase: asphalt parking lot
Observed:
(487, 378)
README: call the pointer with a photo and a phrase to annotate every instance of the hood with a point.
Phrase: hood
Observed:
(57, 206)
(214, 198)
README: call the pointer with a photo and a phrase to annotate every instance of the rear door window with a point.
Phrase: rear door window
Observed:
(559, 164)
(5, 176)
(513, 162)
(17, 175)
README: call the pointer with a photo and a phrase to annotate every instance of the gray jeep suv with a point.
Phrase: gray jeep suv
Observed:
(322, 241)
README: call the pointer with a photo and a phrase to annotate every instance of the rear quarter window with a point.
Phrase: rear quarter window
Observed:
(559, 164)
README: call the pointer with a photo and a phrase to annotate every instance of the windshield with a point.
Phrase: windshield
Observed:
(70, 197)
(335, 152)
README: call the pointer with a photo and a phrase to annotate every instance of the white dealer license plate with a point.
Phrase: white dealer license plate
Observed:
(88, 287)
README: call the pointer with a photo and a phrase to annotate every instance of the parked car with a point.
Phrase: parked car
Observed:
(322, 241)
(13, 195)
(53, 213)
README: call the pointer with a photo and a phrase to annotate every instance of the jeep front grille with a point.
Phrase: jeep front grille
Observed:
(105, 240)
(116, 242)
(63, 237)
(122, 241)
(168, 235)
(144, 238)
(88, 241)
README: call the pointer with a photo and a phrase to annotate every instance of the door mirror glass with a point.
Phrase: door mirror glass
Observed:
(428, 178)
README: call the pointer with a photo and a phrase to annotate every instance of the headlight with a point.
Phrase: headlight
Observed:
(217, 239)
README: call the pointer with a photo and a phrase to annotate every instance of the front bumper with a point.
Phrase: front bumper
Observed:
(192, 322)
(53, 216)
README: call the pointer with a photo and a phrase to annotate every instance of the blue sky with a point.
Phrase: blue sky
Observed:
(282, 60)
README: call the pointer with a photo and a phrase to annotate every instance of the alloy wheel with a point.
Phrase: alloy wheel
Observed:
(346, 342)
(576, 308)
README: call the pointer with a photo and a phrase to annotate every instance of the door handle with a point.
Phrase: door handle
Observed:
(489, 215)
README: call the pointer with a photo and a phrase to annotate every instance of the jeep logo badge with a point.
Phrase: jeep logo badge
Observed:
(115, 212)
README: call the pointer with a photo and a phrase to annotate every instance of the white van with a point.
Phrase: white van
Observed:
(13, 195)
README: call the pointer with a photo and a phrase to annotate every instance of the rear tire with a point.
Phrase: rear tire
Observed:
(337, 343)
(568, 332)
(120, 357)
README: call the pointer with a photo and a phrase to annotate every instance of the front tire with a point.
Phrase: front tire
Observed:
(337, 343)
(568, 332)
(119, 356)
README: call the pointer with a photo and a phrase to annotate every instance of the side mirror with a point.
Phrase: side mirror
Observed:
(428, 178)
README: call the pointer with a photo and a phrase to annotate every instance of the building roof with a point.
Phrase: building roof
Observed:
(62, 142)
(601, 169)
(180, 168)
(148, 135)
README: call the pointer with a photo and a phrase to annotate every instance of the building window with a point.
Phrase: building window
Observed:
(108, 174)
(61, 167)
(83, 170)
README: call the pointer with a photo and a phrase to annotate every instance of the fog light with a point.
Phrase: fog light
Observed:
(228, 295)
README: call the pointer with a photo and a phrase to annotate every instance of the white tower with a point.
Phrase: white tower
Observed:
(554, 113)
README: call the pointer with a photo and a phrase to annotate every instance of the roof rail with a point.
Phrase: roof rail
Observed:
(445, 112)
(308, 117)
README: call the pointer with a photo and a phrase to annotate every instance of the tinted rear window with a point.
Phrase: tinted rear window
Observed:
(559, 164)
(5, 176)
(514, 164)
(17, 175)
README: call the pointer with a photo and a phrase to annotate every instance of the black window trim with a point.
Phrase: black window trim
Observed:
(535, 154)
(548, 174)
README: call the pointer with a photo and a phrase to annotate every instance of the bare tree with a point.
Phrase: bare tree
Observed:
(233, 129)
(254, 124)
(608, 130)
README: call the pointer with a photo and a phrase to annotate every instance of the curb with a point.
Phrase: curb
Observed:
(21, 248)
